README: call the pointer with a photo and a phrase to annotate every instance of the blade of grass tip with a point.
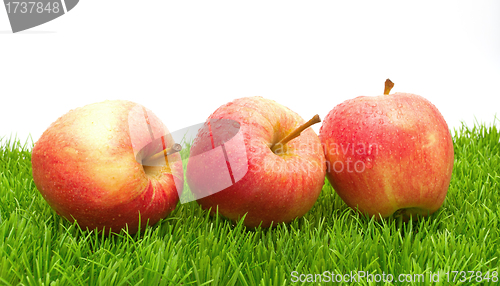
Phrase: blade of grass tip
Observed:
(128, 277)
(126, 235)
(27, 267)
(5, 282)
(276, 277)
(137, 234)
(207, 282)
(61, 269)
(186, 277)
(195, 272)
(206, 217)
(234, 278)
(251, 275)
(215, 280)
(217, 218)
(141, 282)
(239, 227)
(242, 279)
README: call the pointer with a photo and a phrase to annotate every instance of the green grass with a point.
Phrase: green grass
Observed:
(189, 247)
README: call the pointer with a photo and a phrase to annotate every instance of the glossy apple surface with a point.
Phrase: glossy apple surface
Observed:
(87, 165)
(388, 154)
(268, 187)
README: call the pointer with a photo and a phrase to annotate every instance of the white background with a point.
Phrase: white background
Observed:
(183, 59)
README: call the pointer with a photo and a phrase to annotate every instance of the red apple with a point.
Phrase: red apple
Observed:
(88, 165)
(269, 182)
(388, 154)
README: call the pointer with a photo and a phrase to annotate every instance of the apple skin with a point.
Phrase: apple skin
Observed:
(275, 188)
(399, 150)
(85, 167)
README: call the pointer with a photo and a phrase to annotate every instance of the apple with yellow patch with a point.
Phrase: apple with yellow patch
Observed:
(274, 164)
(91, 165)
(388, 154)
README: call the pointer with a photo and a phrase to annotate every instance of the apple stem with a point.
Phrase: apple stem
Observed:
(388, 86)
(163, 153)
(295, 133)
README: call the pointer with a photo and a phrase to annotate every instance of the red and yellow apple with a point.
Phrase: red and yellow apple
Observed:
(89, 166)
(242, 163)
(388, 154)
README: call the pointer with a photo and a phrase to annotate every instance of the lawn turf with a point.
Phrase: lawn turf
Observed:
(189, 247)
